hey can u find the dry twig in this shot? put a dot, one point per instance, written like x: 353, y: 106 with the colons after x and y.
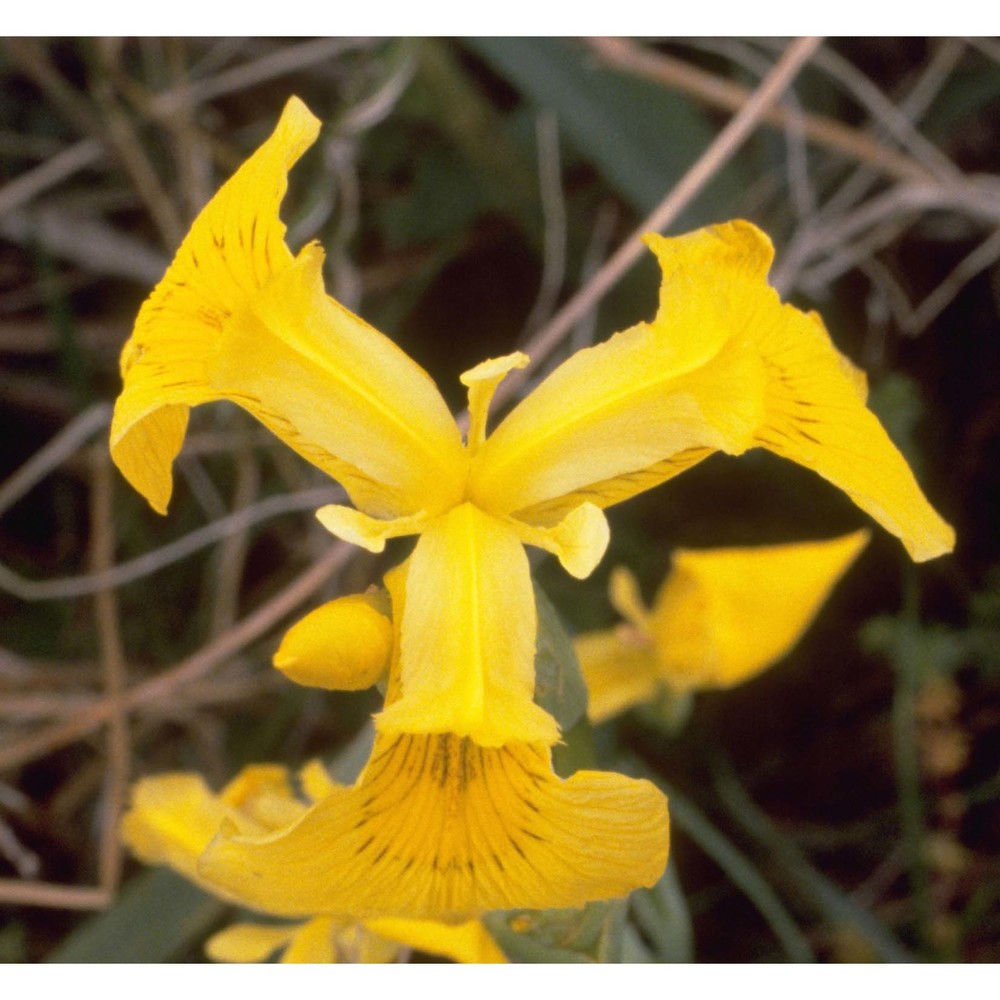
x: 701, y: 172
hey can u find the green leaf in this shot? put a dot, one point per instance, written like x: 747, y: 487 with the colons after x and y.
x: 444, y: 201
x: 929, y: 650
x: 969, y: 91
x: 594, y: 934
x: 641, y: 136
x: 662, y: 914
x: 559, y: 685
x: 743, y: 873
x: 13, y: 944
x: 836, y: 905
x: 350, y: 760
x: 159, y: 916
x: 479, y: 139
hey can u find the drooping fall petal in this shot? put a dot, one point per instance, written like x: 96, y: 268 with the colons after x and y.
x: 816, y: 417
x: 238, y: 317
x: 440, y: 827
x: 609, y: 422
x: 723, y: 366
x: 173, y: 817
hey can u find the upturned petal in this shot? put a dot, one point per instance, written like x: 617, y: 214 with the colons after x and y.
x: 482, y: 382
x: 611, y: 420
x: 724, y: 615
x: 723, y: 366
x: 238, y: 317
x: 578, y: 541
x: 626, y: 598
x: 440, y: 827
x: 466, y: 643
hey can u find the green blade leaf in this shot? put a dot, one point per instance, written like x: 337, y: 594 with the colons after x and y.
x: 662, y: 913
x: 559, y: 686
x: 158, y: 916
x: 641, y: 136
x: 594, y: 934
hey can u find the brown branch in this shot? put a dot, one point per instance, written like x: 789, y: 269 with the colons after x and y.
x: 196, y: 666
x: 62, y: 897
x: 719, y: 152
x: 112, y: 658
x: 722, y: 93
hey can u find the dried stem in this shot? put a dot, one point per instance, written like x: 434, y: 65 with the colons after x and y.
x: 719, y: 152
x: 32, y: 183
x: 227, y: 566
x: 825, y: 132
x: 112, y: 655
x: 62, y: 897
x: 194, y: 667
x: 150, y: 562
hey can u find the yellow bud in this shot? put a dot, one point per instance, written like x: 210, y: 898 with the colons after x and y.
x: 343, y: 645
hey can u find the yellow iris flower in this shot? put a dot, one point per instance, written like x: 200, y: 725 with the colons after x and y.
x: 174, y: 818
x: 720, y: 617
x: 458, y: 810
x: 437, y: 826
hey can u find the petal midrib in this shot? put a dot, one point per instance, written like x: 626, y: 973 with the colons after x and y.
x: 538, y: 441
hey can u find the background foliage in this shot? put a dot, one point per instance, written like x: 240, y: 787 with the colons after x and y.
x: 843, y: 806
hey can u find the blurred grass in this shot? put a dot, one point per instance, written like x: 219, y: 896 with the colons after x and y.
x: 864, y: 820
x: 158, y: 917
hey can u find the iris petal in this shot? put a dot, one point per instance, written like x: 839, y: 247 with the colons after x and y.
x: 482, y: 382
x: 723, y: 615
x: 816, y: 417
x: 467, y: 942
x: 620, y: 670
x: 238, y: 317
x: 173, y: 817
x: 172, y: 820
x: 579, y: 540
x: 246, y: 942
x: 440, y: 827
x: 466, y: 645
x: 626, y: 598
x: 723, y: 366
